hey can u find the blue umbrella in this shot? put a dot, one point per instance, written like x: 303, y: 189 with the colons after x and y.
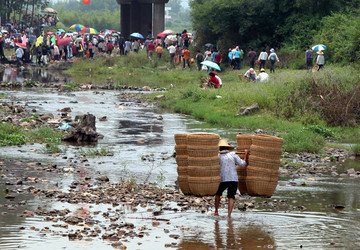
x: 137, y: 35
x: 211, y: 65
x: 319, y: 47
x: 43, y: 25
x: 61, y: 30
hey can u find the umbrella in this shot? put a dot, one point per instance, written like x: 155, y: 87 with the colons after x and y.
x: 50, y: 33
x: 43, y: 25
x: 167, y: 32
x: 61, y: 30
x: 89, y: 31
x: 172, y: 38
x: 211, y: 65
x: 209, y: 45
x: 162, y: 34
x: 109, y: 32
x: 137, y: 35
x: 21, y: 45
x: 115, y: 34
x: 8, y: 24
x: 77, y: 27
x: 64, y: 41
x: 4, y: 31
x: 319, y: 47
x: 17, y: 34
x: 49, y: 11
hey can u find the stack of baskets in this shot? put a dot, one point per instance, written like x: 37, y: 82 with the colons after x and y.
x: 182, y: 162
x: 243, y: 142
x: 204, y: 163
x: 264, y: 162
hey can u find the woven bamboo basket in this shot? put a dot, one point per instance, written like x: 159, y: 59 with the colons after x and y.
x: 204, y: 185
x: 184, y: 184
x: 267, y: 141
x: 201, y: 171
x: 270, y: 153
x: 253, y: 171
x: 181, y: 139
x: 204, y: 161
x: 203, y: 151
x: 264, y: 162
x: 242, y: 148
x: 182, y: 170
x: 257, y: 186
x: 181, y: 149
x: 242, y: 179
x: 203, y: 139
x: 243, y: 139
x: 182, y: 160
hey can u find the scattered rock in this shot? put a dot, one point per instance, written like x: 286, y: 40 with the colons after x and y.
x: 248, y: 110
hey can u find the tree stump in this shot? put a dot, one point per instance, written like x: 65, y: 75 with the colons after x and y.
x: 85, y: 131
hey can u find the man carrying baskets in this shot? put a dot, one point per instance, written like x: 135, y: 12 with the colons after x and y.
x: 228, y: 174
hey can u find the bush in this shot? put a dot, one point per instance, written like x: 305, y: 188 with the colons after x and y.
x: 356, y: 149
x: 303, y: 141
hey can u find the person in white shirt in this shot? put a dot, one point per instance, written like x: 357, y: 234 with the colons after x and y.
x: 172, y: 51
x: 262, y: 58
x: 19, y: 54
x: 273, y: 58
x: 263, y: 76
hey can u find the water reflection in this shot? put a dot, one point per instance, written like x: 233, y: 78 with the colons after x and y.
x: 42, y: 75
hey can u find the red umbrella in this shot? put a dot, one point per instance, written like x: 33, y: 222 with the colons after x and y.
x: 21, y: 45
x: 50, y: 33
x: 161, y: 35
x: 64, y: 41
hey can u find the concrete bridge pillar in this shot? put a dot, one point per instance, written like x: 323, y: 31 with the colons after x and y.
x: 143, y: 16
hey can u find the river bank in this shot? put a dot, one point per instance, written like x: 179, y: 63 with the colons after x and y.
x: 76, y: 200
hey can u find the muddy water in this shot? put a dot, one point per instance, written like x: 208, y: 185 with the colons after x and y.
x: 297, y: 215
x: 14, y: 74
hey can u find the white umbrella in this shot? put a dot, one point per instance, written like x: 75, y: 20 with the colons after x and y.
x: 4, y: 31
x: 49, y: 11
x: 319, y: 47
x: 172, y: 38
x: 167, y: 31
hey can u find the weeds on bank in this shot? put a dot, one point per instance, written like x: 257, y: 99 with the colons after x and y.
x: 11, y: 135
x: 356, y: 149
x: 95, y: 152
x: 303, y: 141
x: 52, y: 148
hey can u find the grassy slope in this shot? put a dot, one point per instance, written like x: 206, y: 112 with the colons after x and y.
x: 283, y: 105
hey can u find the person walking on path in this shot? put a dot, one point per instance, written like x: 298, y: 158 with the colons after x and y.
x: 320, y: 59
x: 228, y: 175
x: 150, y: 49
x: 273, y: 58
x: 309, y: 58
x: 252, y: 57
x: 186, y: 58
x: 199, y: 59
x: 218, y: 58
x: 172, y: 51
x: 19, y: 54
x: 262, y: 58
x: 159, y: 51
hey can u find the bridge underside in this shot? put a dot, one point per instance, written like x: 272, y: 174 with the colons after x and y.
x: 146, y: 17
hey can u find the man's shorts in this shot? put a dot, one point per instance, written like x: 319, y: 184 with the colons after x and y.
x: 231, y: 187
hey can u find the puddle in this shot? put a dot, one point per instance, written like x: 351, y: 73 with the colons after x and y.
x: 309, y: 219
x: 39, y: 74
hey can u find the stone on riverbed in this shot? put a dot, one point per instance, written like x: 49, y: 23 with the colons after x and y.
x: 248, y: 110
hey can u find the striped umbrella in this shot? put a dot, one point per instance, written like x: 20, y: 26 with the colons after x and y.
x: 77, y: 27
x: 89, y: 31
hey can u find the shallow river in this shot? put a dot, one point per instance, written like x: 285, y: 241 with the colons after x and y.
x: 132, y: 131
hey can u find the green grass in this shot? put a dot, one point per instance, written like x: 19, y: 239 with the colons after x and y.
x: 292, y: 102
x: 13, y: 135
x: 95, y: 152
x: 356, y: 149
x: 52, y: 148
x: 303, y: 141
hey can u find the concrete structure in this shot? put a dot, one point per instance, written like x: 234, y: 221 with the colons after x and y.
x: 142, y: 16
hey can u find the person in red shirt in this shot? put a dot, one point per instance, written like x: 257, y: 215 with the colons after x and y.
x: 150, y: 48
x: 218, y: 58
x: 213, y: 81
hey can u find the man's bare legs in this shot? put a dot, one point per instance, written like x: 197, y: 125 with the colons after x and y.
x: 217, y: 203
x: 230, y: 206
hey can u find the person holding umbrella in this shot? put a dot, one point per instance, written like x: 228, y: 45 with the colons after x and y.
x: 320, y: 59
